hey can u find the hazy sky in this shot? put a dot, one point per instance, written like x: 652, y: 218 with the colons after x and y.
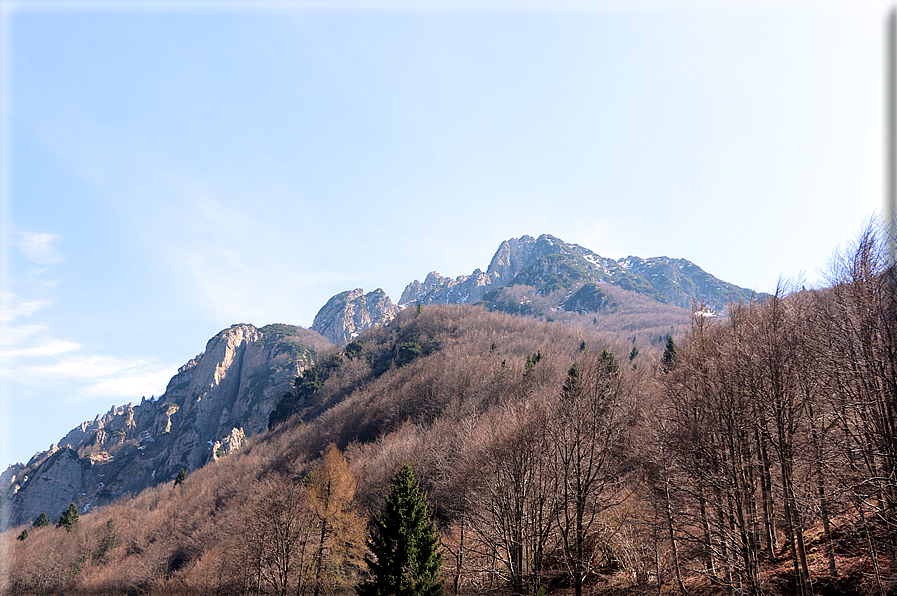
x: 171, y: 168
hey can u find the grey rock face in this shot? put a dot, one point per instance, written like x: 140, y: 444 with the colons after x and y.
x: 549, y: 264
x: 436, y: 289
x: 511, y: 257
x: 349, y: 313
x: 51, y: 487
x: 208, y: 409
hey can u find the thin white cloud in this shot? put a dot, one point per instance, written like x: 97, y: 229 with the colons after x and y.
x: 13, y: 307
x: 58, y: 363
x: 47, y: 347
x: 132, y: 384
x: 81, y: 367
x: 38, y: 247
x: 30, y: 355
x: 12, y: 336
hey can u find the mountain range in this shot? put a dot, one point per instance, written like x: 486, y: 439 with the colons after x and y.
x: 567, y: 277
x: 229, y: 390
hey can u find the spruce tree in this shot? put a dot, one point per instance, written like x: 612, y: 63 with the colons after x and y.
x: 108, y: 542
x: 182, y: 476
x: 407, y: 555
x: 670, y: 354
x: 41, y: 521
x: 69, y: 518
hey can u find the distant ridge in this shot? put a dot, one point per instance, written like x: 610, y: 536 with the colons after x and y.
x: 547, y: 265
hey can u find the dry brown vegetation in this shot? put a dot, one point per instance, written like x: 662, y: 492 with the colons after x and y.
x: 760, y: 460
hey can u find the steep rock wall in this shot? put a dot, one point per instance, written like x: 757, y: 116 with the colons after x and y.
x: 349, y: 313
x: 208, y: 409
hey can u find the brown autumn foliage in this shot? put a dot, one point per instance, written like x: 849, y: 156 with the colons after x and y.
x: 760, y: 459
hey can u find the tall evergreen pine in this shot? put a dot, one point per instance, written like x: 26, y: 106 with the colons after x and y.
x: 407, y: 554
x: 69, y: 518
x: 670, y: 354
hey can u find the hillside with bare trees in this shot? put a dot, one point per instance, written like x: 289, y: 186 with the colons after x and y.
x: 752, y: 454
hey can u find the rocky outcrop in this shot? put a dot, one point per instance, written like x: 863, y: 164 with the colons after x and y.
x: 208, y: 409
x: 510, y: 258
x: 549, y: 264
x: 49, y: 488
x: 228, y: 444
x: 349, y: 313
x: 436, y: 289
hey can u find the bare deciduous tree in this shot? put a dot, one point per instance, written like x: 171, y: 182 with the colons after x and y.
x: 588, y: 439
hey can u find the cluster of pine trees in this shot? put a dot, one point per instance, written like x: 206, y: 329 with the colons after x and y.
x: 753, y: 454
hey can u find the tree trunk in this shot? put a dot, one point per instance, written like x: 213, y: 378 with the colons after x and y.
x: 669, y: 516
x: 769, y: 514
x: 320, y: 561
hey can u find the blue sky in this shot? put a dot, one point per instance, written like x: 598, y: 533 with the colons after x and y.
x: 172, y: 168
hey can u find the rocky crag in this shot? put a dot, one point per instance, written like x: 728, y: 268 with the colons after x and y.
x: 546, y: 265
x: 208, y: 409
x: 349, y: 313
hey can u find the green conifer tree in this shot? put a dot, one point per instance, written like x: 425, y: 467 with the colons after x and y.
x: 407, y: 552
x: 610, y: 363
x: 670, y: 354
x: 41, y: 521
x: 69, y: 518
x: 109, y: 538
x: 182, y: 476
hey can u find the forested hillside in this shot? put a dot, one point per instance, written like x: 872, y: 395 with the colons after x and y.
x: 753, y: 454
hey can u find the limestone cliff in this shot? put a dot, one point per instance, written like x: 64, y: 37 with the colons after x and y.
x: 511, y: 257
x: 436, y: 289
x: 349, y: 313
x: 208, y: 409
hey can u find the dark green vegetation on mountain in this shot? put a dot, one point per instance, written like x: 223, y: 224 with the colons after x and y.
x: 749, y: 454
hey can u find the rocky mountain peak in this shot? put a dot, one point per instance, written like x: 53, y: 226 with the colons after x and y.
x: 512, y: 256
x: 349, y: 313
x: 546, y: 265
